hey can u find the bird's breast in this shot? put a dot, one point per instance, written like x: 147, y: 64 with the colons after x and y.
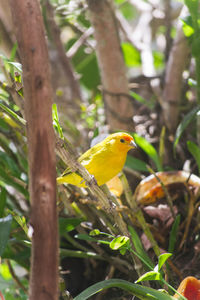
x: 105, y: 167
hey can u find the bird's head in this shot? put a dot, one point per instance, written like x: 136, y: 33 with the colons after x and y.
x: 121, y: 141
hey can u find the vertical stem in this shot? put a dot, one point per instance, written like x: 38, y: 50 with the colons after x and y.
x: 42, y: 171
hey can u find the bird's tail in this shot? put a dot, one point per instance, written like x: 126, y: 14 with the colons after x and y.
x: 60, y: 180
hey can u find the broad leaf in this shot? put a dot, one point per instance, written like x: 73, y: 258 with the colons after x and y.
x: 68, y: 224
x: 162, y: 259
x: 151, y: 275
x: 119, y: 242
x: 136, y: 164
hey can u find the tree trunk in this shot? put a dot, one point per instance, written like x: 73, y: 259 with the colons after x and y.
x: 42, y: 173
x: 118, y: 106
x: 176, y: 64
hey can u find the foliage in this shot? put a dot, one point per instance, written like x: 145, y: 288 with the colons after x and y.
x: 87, y: 231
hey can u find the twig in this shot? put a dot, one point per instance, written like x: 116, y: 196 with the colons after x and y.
x: 168, y: 197
x: 15, y: 278
x: 138, y: 213
x: 72, y: 51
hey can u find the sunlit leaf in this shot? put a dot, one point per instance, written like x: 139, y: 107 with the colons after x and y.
x: 119, y: 242
x: 131, y: 55
x: 162, y: 259
x: 151, y: 275
x: 95, y: 232
x: 55, y: 118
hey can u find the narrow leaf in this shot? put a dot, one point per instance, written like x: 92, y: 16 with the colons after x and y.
x: 138, y: 246
x: 195, y: 151
x: 13, y: 114
x: 184, y: 124
x: 149, y: 149
x: 173, y: 234
x: 5, y: 226
x: 2, y: 201
x: 136, y: 164
x: 142, y: 292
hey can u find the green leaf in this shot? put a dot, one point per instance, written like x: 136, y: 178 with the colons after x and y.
x: 195, y: 151
x: 142, y: 292
x: 86, y: 237
x: 189, y: 117
x: 149, y: 149
x: 11, y: 181
x: 188, y: 26
x: 95, y: 232
x: 196, y: 47
x: 68, y: 224
x: 55, y: 118
x: 192, y: 82
x: 135, y: 164
x: 21, y: 220
x: 5, y: 226
x: 193, y: 7
x: 13, y: 114
x: 173, y: 234
x: 139, y: 248
x: 140, y: 99
x: 17, y: 65
x: 119, y: 242
x: 162, y: 259
x: 131, y: 55
x: 2, y: 201
x: 151, y: 275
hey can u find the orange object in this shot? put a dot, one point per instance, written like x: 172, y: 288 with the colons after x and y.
x: 189, y: 288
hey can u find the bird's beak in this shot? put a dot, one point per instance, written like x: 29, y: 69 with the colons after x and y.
x: 133, y: 144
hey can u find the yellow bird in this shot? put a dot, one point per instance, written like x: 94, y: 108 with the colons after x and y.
x: 104, y: 160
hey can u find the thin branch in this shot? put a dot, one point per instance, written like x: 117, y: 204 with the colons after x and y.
x: 15, y: 278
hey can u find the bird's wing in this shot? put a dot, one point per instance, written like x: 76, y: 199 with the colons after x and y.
x: 86, y: 158
x: 89, y: 155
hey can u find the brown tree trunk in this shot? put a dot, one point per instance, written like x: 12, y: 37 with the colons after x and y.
x: 42, y: 173
x: 171, y: 98
x: 118, y: 106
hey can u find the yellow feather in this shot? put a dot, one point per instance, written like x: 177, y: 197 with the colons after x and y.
x: 104, y: 160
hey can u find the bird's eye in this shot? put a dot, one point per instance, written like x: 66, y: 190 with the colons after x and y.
x: 122, y: 141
